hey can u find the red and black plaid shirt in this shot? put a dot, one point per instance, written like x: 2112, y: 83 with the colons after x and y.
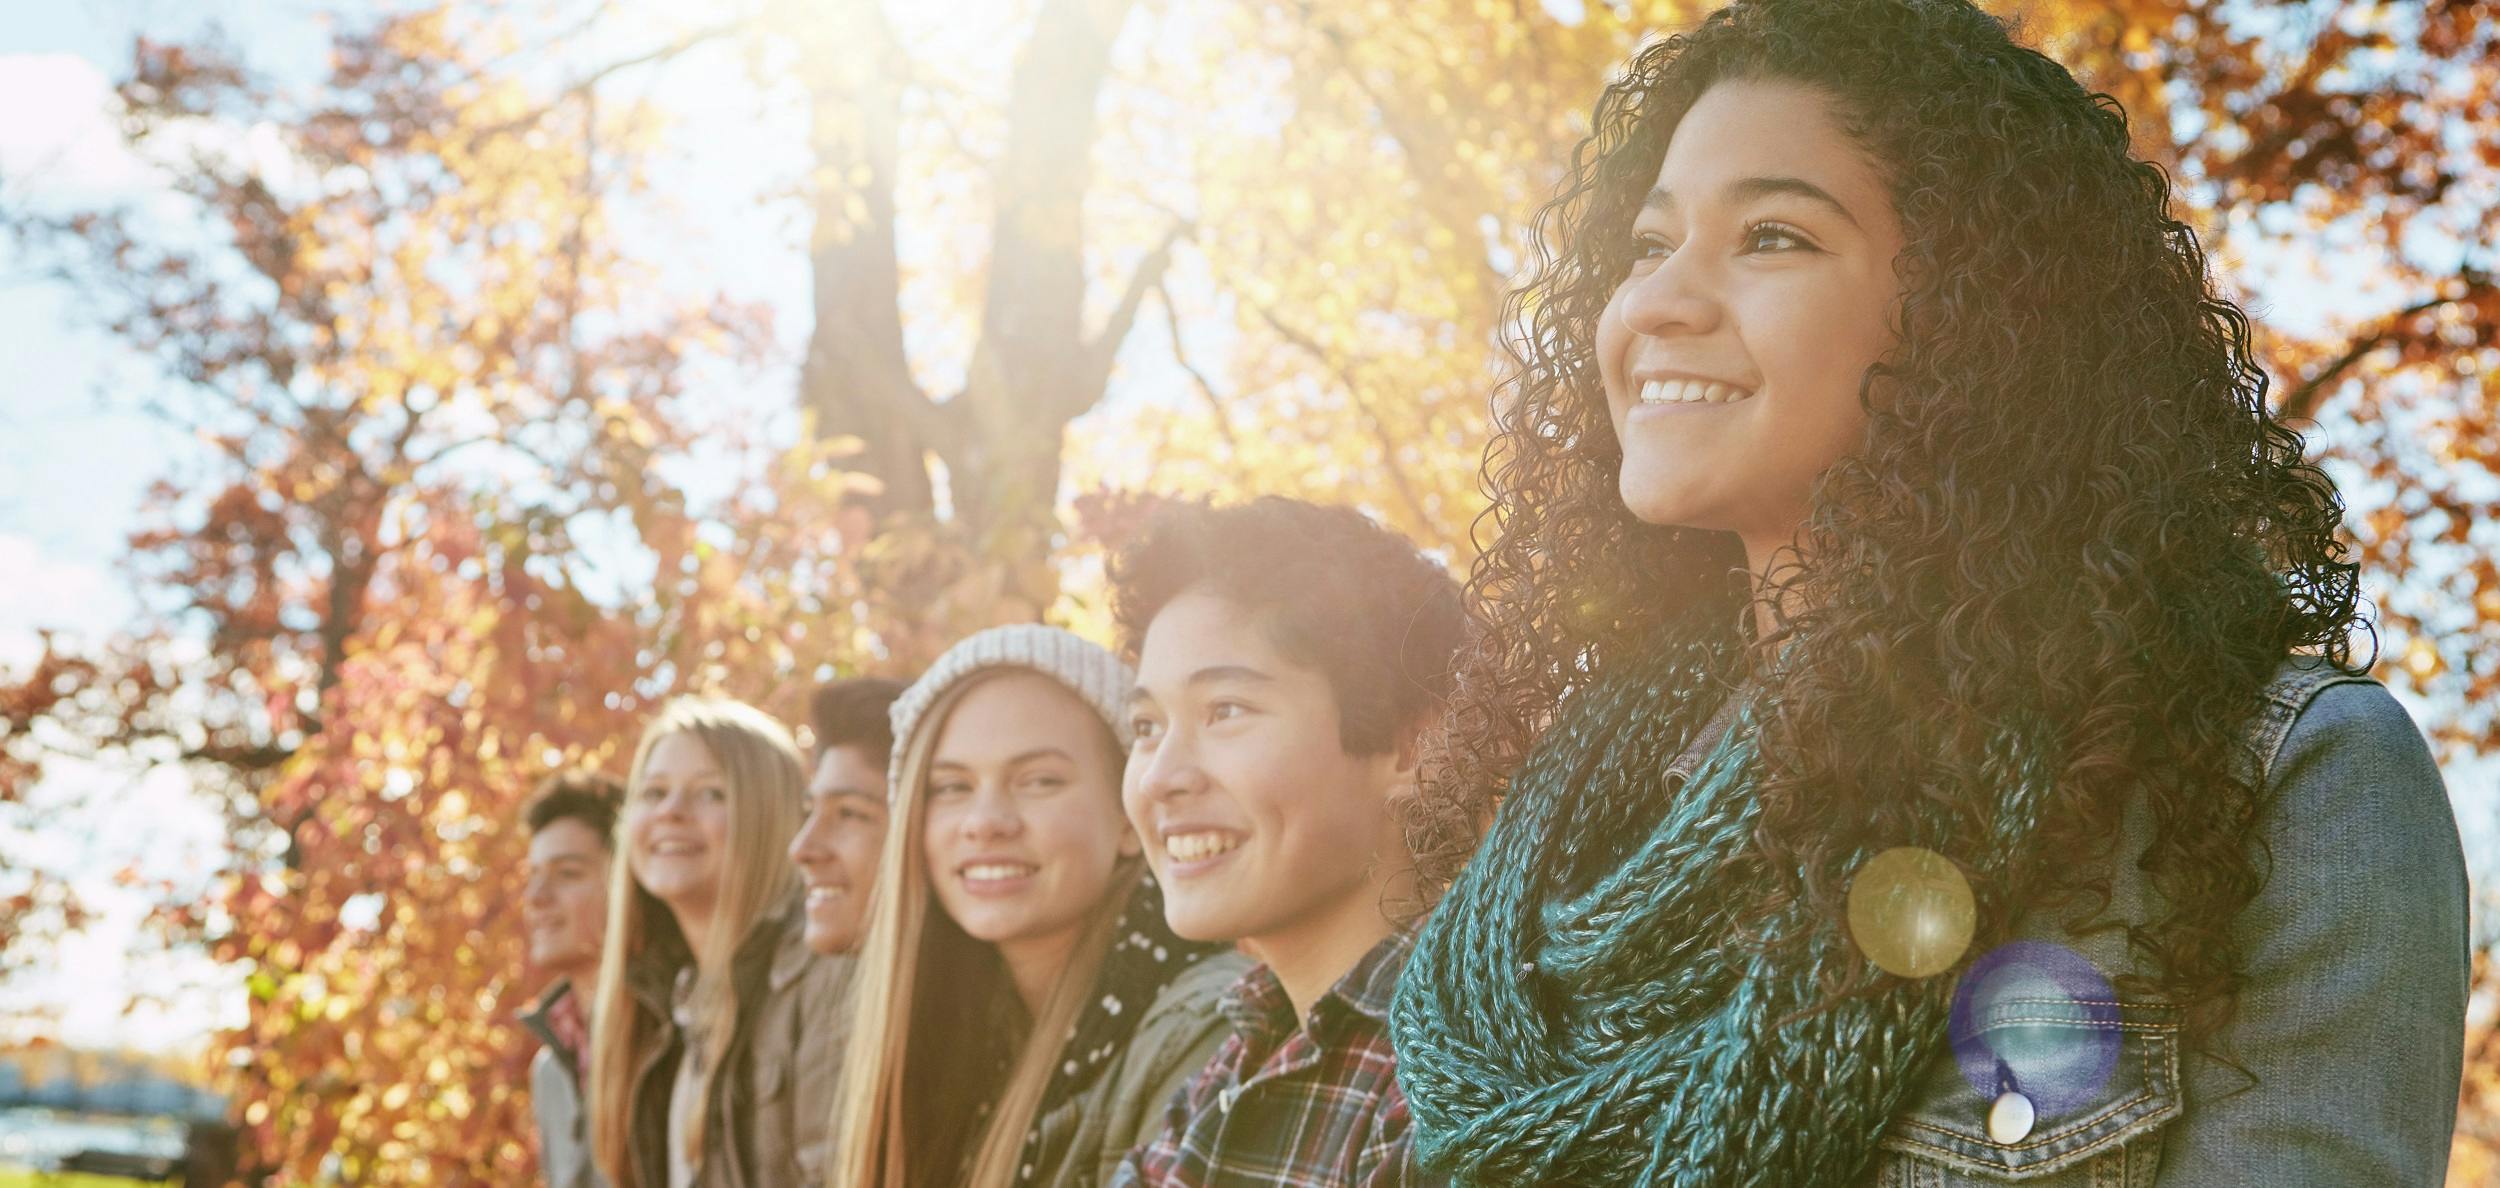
x: 1293, y: 1102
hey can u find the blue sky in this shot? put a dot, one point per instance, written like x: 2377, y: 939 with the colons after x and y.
x: 75, y: 455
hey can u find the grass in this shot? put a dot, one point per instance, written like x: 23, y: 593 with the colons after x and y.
x: 18, y: 1177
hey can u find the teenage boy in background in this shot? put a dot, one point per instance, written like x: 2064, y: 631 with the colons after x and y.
x: 564, y: 908
x: 1291, y: 661
x: 836, y: 847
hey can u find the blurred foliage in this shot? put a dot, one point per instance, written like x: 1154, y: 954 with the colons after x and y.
x: 435, y: 550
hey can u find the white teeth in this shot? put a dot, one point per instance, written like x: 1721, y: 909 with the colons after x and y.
x: 1690, y: 392
x: 673, y: 847
x: 817, y: 895
x: 987, y: 871
x: 1191, y: 847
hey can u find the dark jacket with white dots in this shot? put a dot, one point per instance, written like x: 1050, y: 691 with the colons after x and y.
x: 1086, y: 1136
x: 2348, y: 1034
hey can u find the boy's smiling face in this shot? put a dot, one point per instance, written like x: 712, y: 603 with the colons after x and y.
x: 1258, y: 823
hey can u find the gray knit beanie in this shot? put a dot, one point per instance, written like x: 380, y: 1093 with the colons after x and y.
x: 1088, y: 669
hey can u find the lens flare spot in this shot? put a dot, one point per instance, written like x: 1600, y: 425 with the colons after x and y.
x: 1911, y: 912
x: 2036, y: 1019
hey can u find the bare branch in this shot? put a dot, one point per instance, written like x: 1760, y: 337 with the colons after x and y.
x: 1106, y: 345
x: 566, y: 35
x: 582, y: 86
x: 660, y: 53
x: 1362, y: 404
x: 1180, y: 355
x: 2301, y: 403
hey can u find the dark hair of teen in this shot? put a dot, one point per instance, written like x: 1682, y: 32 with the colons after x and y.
x: 593, y: 798
x: 1337, y: 591
x: 2073, y: 516
x: 854, y: 712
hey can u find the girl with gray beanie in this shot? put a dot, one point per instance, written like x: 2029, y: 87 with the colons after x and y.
x: 1022, y: 1012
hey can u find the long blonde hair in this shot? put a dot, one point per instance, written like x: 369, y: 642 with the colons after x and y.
x: 881, y: 1120
x: 766, y: 799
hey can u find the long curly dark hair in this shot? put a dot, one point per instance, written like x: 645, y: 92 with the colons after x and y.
x: 2073, y: 520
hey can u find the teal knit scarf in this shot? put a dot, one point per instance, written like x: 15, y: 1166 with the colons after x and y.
x: 1576, y: 1014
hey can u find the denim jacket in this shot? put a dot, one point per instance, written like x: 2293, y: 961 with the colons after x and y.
x: 2351, y: 1020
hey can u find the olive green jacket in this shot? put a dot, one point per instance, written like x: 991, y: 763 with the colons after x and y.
x: 1087, y: 1135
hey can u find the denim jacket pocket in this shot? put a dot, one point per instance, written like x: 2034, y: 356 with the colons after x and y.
x: 2108, y: 1076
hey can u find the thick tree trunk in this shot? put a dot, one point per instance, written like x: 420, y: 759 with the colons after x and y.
x: 1034, y: 368
x: 856, y: 378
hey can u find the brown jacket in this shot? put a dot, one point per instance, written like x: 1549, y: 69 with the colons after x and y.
x: 769, y: 1111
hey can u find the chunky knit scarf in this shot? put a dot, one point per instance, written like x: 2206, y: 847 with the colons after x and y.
x: 1578, y: 1011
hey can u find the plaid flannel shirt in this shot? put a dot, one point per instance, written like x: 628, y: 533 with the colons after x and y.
x: 1289, y: 1101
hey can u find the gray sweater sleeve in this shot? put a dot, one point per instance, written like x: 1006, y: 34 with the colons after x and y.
x: 2352, y: 1019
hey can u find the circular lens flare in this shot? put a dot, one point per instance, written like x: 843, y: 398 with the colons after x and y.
x: 2037, y: 1019
x: 1911, y: 912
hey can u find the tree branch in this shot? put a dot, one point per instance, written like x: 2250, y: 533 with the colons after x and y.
x: 1106, y: 345
x: 659, y: 53
x: 1362, y: 404
x: 2301, y: 403
x: 1032, y: 341
x: 1180, y: 355
x: 583, y: 85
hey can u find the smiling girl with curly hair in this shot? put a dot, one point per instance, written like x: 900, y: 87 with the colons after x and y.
x: 1915, y: 715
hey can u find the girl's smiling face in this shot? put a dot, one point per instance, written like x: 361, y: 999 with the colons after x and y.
x: 677, y: 826
x: 1761, y: 289
x: 1023, y: 832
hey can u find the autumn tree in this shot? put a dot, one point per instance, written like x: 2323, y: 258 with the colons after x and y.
x: 419, y: 369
